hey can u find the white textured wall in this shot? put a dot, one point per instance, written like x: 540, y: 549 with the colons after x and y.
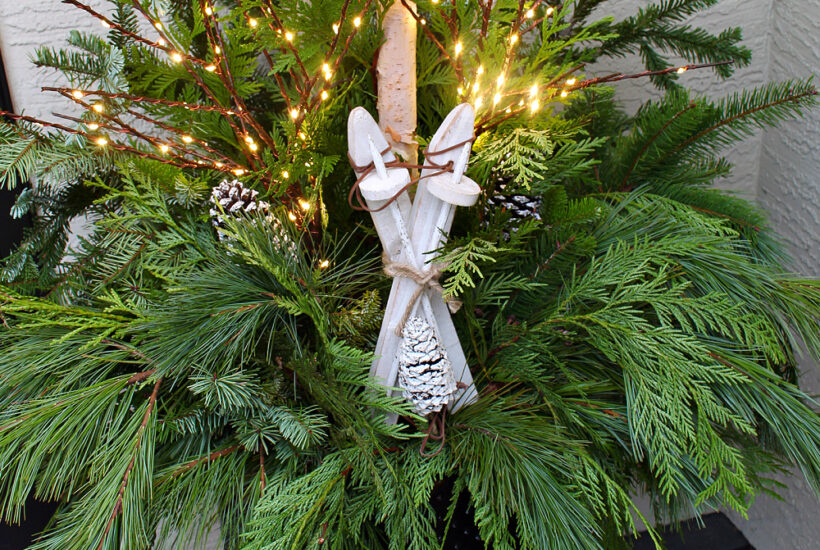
x: 753, y: 17
x: 789, y: 188
x: 24, y: 26
x: 781, y: 167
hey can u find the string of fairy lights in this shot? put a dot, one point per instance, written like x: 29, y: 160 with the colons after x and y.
x: 489, y: 94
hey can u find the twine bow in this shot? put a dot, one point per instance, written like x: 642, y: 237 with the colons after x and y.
x: 424, y: 279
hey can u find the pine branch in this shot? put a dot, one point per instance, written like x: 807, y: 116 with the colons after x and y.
x: 118, y: 504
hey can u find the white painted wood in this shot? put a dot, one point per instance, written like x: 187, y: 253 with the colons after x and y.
x: 361, y: 130
x: 407, y: 244
x: 427, y: 209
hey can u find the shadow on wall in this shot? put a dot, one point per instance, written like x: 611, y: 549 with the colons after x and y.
x: 717, y: 533
x: 11, y: 231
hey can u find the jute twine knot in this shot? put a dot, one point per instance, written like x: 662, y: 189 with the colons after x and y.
x: 424, y: 279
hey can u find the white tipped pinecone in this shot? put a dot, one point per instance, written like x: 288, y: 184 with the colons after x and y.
x: 425, y: 372
x: 520, y: 207
x: 237, y: 200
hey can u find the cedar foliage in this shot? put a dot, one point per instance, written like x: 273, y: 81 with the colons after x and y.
x: 642, y: 336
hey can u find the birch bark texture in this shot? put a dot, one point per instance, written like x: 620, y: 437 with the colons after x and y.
x: 396, y: 80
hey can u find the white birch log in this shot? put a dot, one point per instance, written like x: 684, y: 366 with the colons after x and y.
x: 396, y: 81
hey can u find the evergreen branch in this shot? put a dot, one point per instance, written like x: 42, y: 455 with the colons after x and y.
x: 651, y: 140
x: 741, y: 115
x: 207, y: 458
x: 118, y: 505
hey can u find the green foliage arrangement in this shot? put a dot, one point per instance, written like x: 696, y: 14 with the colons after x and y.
x: 158, y: 380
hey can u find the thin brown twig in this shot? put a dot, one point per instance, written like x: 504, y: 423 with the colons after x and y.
x: 113, y: 145
x: 238, y: 133
x: 429, y: 33
x: 212, y: 29
x: 129, y: 34
x: 143, y: 99
x: 262, y: 477
x: 208, y: 458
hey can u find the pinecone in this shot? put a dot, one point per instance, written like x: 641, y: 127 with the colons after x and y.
x: 520, y: 207
x: 238, y: 200
x: 235, y: 199
x: 425, y: 372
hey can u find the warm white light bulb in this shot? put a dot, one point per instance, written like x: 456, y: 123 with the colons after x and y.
x: 285, y: 174
x: 571, y: 81
x: 496, y: 98
x: 98, y: 107
x: 176, y: 57
x: 208, y: 10
x: 289, y: 36
x: 187, y: 139
x: 77, y: 94
x: 325, y: 95
x: 357, y: 21
x: 530, y: 14
x: 681, y: 70
x: 294, y: 113
x: 92, y: 125
x: 102, y: 142
x: 335, y: 28
x: 253, y: 22
x: 253, y: 146
x: 164, y: 148
x: 459, y: 47
x: 210, y: 68
x: 534, y: 90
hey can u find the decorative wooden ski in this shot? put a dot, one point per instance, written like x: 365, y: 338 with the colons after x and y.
x: 409, y: 234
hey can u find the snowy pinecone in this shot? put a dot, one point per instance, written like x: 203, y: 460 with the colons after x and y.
x: 425, y: 373
x: 520, y: 207
x: 237, y: 200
